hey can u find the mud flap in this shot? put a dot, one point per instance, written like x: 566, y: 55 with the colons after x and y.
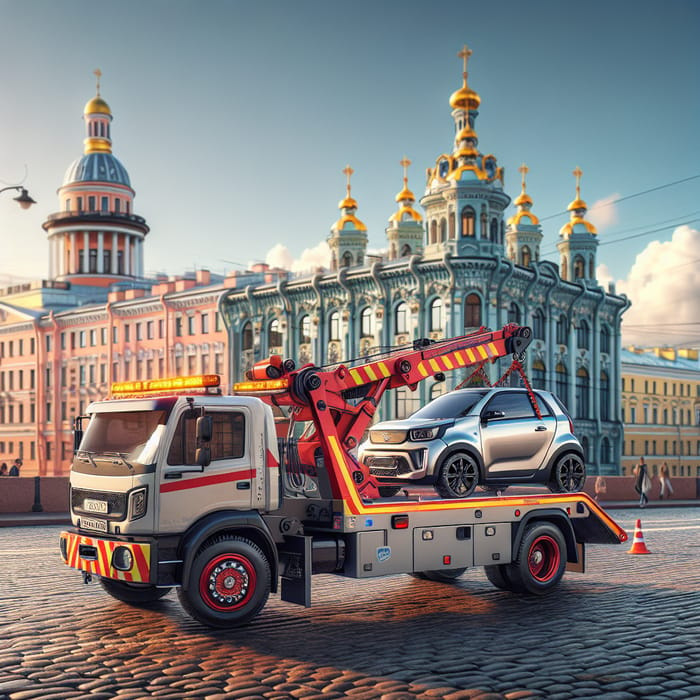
x: 296, y: 565
x: 579, y: 566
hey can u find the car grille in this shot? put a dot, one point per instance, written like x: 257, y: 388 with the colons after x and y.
x: 387, y: 466
x: 116, y: 503
x: 387, y: 437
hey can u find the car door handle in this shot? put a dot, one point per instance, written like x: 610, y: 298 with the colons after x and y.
x: 540, y: 428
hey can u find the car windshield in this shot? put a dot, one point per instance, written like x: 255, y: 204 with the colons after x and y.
x: 452, y: 405
x: 133, y: 435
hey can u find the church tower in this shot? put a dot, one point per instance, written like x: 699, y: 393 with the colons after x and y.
x: 405, y: 230
x: 348, y: 237
x: 523, y: 233
x: 464, y: 199
x: 578, y: 241
x: 95, y: 239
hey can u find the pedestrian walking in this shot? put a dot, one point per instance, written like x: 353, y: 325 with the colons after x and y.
x: 665, y: 481
x: 3, y: 469
x: 16, y: 466
x: 642, y: 484
x: 600, y: 487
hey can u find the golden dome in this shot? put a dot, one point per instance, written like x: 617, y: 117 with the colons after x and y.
x: 97, y: 106
x: 399, y: 216
x: 465, y: 98
x: 523, y: 198
x: 578, y: 203
x: 405, y: 194
x: 532, y: 220
x: 347, y: 203
x: 349, y: 219
x: 577, y: 222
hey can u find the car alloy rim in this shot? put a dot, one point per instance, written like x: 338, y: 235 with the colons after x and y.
x: 227, y: 582
x: 571, y: 474
x: 461, y: 474
x: 543, y: 558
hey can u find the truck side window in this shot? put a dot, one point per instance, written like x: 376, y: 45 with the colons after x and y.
x: 228, y: 438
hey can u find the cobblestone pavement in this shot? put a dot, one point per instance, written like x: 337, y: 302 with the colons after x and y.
x: 628, y: 628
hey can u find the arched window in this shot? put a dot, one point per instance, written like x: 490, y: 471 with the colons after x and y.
x: 247, y: 337
x: 406, y: 250
x: 564, y: 268
x: 494, y: 230
x: 605, y: 451
x: 305, y: 330
x: 591, y: 268
x: 360, y: 258
x: 468, y: 222
x: 562, y: 330
x: 583, y: 335
x: 366, y: 318
x: 443, y: 230
x: 605, y: 339
x: 579, y: 268
x: 436, y: 315
x: 472, y: 311
x: 538, y: 375
x: 347, y: 259
x: 525, y: 256
x: 401, y: 318
x: 451, y: 225
x: 582, y: 402
x: 538, y: 324
x: 433, y: 232
x: 513, y: 313
x: 604, y: 396
x: 562, y: 383
x: 274, y: 338
x: 334, y: 326
x: 484, y: 225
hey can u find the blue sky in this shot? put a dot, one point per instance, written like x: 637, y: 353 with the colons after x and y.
x: 235, y: 119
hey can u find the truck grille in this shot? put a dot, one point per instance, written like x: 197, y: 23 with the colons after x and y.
x: 116, y: 503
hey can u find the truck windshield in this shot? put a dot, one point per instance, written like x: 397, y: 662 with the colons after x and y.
x: 132, y: 435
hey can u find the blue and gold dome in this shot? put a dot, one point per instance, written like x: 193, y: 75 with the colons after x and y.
x: 97, y: 167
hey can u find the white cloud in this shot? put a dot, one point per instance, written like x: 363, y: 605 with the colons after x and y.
x: 664, y: 287
x: 603, y: 213
x: 309, y: 260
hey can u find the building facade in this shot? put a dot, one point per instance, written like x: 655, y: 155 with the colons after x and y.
x: 661, y: 410
x: 452, y: 269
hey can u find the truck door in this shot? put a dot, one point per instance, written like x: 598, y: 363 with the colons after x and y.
x: 188, y: 491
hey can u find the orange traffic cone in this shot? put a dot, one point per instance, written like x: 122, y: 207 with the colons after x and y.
x: 638, y: 546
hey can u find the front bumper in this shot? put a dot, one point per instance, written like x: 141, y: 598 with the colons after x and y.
x: 405, y: 464
x: 107, y: 557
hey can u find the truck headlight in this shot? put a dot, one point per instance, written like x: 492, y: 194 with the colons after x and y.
x: 122, y: 559
x: 419, y: 434
x: 138, y: 502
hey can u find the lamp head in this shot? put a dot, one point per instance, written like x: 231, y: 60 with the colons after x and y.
x: 24, y: 200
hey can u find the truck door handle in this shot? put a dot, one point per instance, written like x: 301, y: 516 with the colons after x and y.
x: 540, y: 428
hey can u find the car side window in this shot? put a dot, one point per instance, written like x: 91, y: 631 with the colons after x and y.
x: 513, y: 405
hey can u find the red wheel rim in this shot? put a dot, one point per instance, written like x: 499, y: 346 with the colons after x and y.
x: 227, y: 582
x: 544, y: 558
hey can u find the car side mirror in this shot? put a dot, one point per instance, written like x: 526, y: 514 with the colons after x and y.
x: 492, y: 415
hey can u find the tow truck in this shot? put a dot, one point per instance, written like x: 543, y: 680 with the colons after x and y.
x: 230, y: 498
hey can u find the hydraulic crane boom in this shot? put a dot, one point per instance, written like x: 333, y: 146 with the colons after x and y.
x: 342, y: 401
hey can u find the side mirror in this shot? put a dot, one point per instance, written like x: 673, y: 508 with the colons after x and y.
x: 492, y: 415
x: 202, y: 456
x: 204, y: 429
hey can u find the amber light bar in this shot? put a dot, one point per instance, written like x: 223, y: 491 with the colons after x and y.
x: 268, y: 386
x: 201, y: 381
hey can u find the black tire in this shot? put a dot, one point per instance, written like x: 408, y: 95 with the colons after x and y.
x: 389, y: 491
x: 568, y: 474
x: 139, y: 594
x: 458, y: 476
x: 228, y: 584
x: 444, y: 575
x: 497, y: 574
x: 541, y: 560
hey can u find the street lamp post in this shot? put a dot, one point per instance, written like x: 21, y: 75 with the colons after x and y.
x: 23, y: 198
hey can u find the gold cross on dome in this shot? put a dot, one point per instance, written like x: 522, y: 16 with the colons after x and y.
x: 524, y: 170
x: 98, y: 74
x: 577, y: 174
x: 348, y: 172
x: 464, y: 54
x: 405, y: 162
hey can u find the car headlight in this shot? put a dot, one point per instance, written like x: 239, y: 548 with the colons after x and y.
x: 419, y: 434
x: 138, y: 501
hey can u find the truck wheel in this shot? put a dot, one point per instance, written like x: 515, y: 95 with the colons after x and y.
x: 133, y: 593
x: 228, y: 584
x: 444, y: 575
x: 458, y: 476
x: 541, y: 560
x: 497, y: 574
x: 568, y: 475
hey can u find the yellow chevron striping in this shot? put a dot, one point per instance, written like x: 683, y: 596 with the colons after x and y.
x: 370, y: 372
x: 356, y: 376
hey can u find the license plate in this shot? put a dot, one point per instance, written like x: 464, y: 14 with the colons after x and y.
x: 94, y: 506
x: 93, y: 524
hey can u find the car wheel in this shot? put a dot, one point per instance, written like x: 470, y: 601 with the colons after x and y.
x: 389, y: 491
x: 458, y: 476
x: 569, y: 474
x: 228, y: 584
x: 541, y: 560
x: 133, y: 593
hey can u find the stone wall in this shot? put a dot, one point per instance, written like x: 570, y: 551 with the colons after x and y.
x: 17, y: 494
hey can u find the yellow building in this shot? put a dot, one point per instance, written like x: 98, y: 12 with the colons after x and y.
x: 661, y: 410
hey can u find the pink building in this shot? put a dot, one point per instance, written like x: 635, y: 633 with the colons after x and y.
x: 97, y: 319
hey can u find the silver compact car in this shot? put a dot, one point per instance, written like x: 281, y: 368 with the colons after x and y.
x: 488, y: 437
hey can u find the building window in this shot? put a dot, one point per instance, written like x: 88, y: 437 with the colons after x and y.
x: 149, y: 330
x: 436, y: 315
x: 468, y: 222
x: 583, y: 334
x: 178, y: 326
x: 334, y: 326
x: 366, y: 317
x: 91, y: 203
x: 305, y: 330
x: 605, y: 451
x: 275, y: 334
x: 401, y: 318
x: 562, y: 330
x: 582, y: 402
x: 407, y: 402
x: 205, y: 323
x: 538, y: 375
x: 513, y: 313
x: 472, y: 311
x: 604, y: 396
x: 605, y: 339
x: 139, y: 331
x: 190, y: 325
x: 579, y: 267
x: 247, y: 337
x: 538, y: 324
x: 562, y: 383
